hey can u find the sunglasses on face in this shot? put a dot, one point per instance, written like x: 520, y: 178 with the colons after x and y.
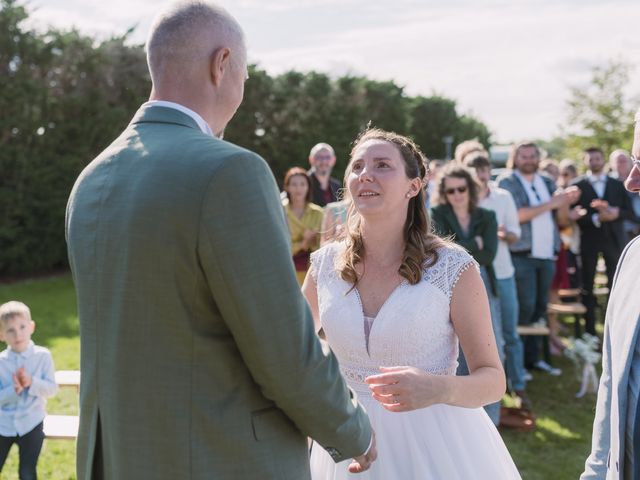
x: 451, y: 191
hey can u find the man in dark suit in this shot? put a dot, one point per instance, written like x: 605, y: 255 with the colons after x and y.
x: 607, y: 205
x: 324, y: 188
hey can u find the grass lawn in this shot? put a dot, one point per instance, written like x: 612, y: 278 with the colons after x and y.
x: 556, y: 450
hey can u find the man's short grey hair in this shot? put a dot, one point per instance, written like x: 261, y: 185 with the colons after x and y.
x: 189, y: 32
x: 321, y: 146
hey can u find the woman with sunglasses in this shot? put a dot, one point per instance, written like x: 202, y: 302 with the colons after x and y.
x: 458, y: 216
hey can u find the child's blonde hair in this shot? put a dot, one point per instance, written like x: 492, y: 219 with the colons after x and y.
x: 13, y: 309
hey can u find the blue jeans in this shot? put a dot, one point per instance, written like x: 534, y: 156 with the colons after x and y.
x: 493, y: 409
x: 513, y: 349
x: 533, y: 280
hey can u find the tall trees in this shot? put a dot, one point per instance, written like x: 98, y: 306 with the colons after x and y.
x: 64, y: 97
x: 601, y: 113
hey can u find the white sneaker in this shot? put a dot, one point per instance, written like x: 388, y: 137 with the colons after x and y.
x: 545, y: 367
x: 527, y: 377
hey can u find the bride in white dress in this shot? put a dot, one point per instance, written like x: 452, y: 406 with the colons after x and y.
x: 393, y: 300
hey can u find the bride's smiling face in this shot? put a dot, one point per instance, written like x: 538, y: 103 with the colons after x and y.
x: 377, y: 181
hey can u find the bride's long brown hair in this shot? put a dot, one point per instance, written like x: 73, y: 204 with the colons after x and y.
x: 421, y: 244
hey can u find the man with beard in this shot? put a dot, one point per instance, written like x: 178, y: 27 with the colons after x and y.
x: 533, y: 254
x: 602, y: 228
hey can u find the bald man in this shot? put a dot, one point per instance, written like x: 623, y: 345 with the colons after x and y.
x: 615, y: 452
x: 199, y: 358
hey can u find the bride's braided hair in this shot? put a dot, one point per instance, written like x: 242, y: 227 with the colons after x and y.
x: 421, y: 244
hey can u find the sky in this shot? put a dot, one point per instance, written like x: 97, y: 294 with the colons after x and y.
x: 509, y: 63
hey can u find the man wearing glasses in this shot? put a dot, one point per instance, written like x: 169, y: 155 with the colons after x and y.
x: 539, y: 207
x: 615, y: 451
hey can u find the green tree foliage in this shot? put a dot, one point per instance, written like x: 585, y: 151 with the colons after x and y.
x: 64, y: 97
x: 601, y: 113
x: 434, y: 118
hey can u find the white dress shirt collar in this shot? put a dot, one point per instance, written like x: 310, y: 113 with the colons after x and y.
x: 204, y: 126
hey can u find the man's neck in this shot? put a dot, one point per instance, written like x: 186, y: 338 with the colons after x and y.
x: 528, y: 176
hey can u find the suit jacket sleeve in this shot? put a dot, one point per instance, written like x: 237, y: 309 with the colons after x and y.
x: 255, y: 288
x: 596, y: 465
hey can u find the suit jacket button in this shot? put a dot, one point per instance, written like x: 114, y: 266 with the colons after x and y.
x: 335, y: 454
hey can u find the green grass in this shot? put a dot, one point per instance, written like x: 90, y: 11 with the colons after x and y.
x: 561, y: 443
x: 556, y: 450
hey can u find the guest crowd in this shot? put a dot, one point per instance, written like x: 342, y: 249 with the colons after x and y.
x: 537, y: 229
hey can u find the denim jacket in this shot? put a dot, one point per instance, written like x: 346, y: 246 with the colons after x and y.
x: 512, y: 183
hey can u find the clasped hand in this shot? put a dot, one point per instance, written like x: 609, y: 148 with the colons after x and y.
x: 401, y: 389
x: 21, y: 380
x: 606, y: 213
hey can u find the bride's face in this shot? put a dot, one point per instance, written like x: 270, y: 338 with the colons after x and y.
x: 377, y: 181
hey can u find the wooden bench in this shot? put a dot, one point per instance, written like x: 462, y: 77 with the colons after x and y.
x: 537, y: 330
x: 68, y: 378
x: 574, y: 309
x: 61, y: 427
x: 569, y: 292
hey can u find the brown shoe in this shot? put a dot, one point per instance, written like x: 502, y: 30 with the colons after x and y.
x: 518, y: 419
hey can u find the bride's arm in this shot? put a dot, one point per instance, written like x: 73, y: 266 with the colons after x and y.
x: 471, y: 320
x: 401, y: 389
x: 310, y: 292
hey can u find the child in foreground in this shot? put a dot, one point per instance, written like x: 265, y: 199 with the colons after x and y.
x: 27, y: 379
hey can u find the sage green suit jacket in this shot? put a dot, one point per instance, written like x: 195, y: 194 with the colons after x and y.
x: 198, y: 352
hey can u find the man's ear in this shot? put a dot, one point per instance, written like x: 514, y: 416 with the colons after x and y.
x: 219, y: 64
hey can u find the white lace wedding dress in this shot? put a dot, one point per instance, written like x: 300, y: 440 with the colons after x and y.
x: 411, y: 329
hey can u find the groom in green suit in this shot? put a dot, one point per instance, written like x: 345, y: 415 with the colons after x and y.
x: 199, y: 358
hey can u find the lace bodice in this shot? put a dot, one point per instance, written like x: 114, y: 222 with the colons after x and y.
x: 412, y: 328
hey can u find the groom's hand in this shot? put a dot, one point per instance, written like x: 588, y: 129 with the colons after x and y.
x: 364, y: 461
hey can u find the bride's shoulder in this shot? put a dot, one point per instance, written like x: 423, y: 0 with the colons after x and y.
x: 452, y: 260
x: 325, y: 257
x: 453, y: 253
x: 330, y: 249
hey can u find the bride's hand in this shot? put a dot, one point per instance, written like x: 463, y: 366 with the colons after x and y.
x: 401, y: 389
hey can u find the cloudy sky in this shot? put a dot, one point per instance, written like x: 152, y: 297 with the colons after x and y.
x: 508, y: 62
